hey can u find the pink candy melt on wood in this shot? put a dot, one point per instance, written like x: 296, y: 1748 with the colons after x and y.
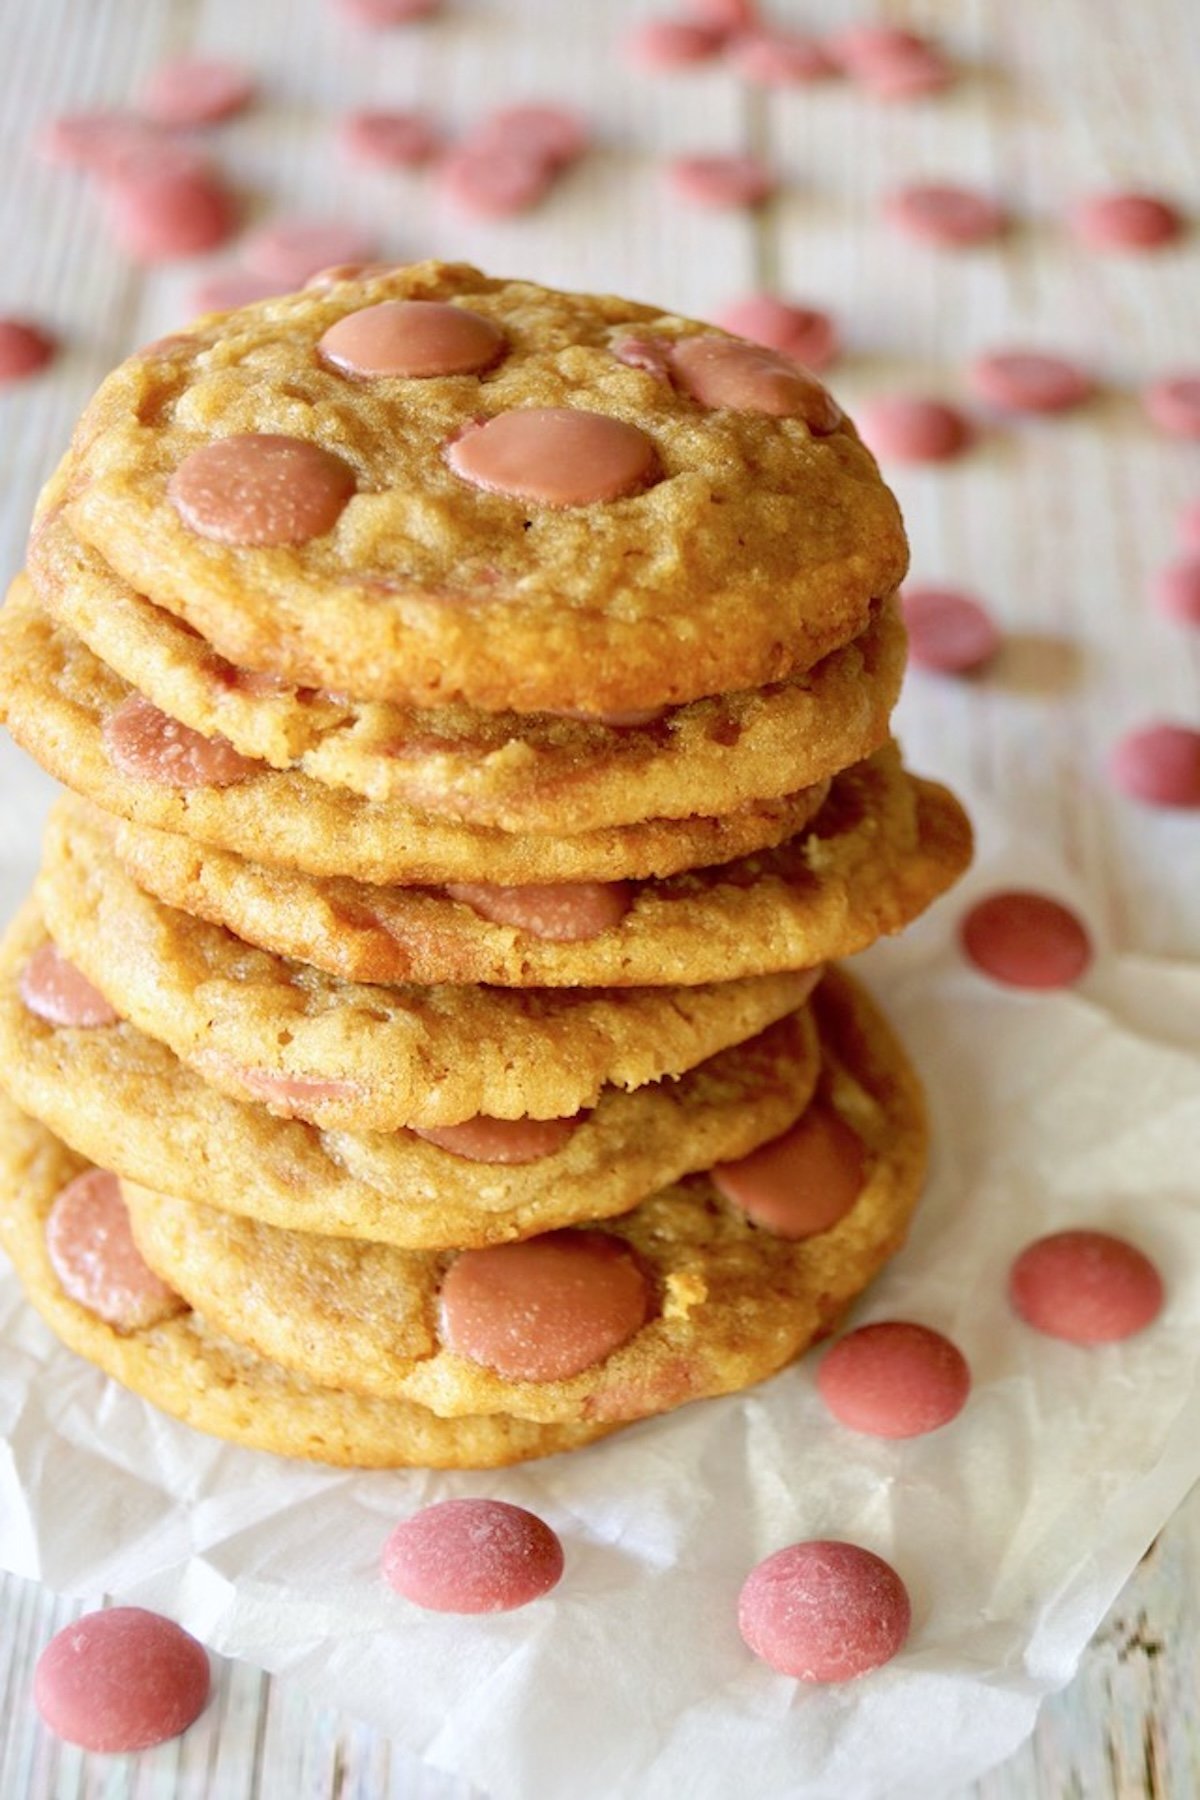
x: 121, y: 1680
x: 472, y: 1556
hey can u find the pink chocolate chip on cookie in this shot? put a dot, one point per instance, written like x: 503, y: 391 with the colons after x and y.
x: 802, y: 1182
x: 804, y: 334
x: 1086, y: 1287
x: 722, y: 181
x: 1026, y: 940
x: 289, y: 1095
x: 149, y: 745
x: 894, y: 1380
x: 824, y: 1611
x: 727, y: 372
x: 558, y: 455
x: 197, y: 90
x: 24, y: 349
x: 568, y: 912
x: 1126, y: 221
x: 472, y: 1556
x: 55, y: 990
x: 544, y: 1309
x: 415, y: 338
x: 509, y: 1141
x: 260, y: 488
x: 911, y: 428
x: 120, y: 1680
x: 1159, y: 764
x: 90, y: 1244
x: 948, y: 631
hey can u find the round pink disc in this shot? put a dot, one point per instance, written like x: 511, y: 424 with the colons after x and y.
x: 90, y: 1244
x: 781, y: 58
x: 854, y: 46
x: 149, y: 745
x: 261, y: 488
x: 546, y: 1308
x: 390, y: 139
x: 1085, y: 1286
x: 559, y: 913
x: 555, y: 134
x: 24, y: 349
x: 908, y: 74
x: 1126, y: 222
x: 802, y: 1182
x: 163, y: 214
x: 804, y: 334
x: 1024, y: 381
x: 1174, y: 404
x: 291, y: 250
x: 55, y: 990
x: 729, y: 373
x: 121, y: 1680
x: 943, y: 214
x: 722, y: 181
x: 416, y: 338
x: 472, y: 1556
x: 495, y: 181
x: 908, y: 428
x: 1159, y: 764
x: 824, y: 1611
x: 510, y: 1141
x: 196, y: 90
x: 558, y: 455
x: 948, y: 631
x: 1177, y: 590
x: 1026, y: 940
x: 894, y: 1380
x: 664, y: 44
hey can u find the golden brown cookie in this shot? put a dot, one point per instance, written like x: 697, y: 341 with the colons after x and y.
x: 556, y: 527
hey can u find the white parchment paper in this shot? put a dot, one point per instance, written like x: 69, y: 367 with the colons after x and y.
x: 1014, y: 1528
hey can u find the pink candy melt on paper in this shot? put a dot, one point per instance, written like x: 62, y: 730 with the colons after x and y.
x: 1085, y: 1286
x: 90, y: 1244
x: 1026, y: 940
x: 824, y: 1611
x: 472, y: 1556
x: 121, y: 1680
x: 894, y: 1380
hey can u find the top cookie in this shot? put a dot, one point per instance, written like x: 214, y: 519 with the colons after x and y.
x: 426, y: 486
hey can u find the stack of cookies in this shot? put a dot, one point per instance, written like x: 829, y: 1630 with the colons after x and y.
x: 475, y: 700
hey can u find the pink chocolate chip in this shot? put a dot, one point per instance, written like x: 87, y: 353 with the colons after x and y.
x: 1126, y: 222
x: 496, y: 181
x: 160, y: 213
x: 1173, y: 404
x: 1085, y: 1286
x: 90, y: 1244
x: 351, y: 271
x: 568, y: 912
x: 92, y: 140
x: 650, y: 354
x: 943, y: 214
x: 854, y: 46
x: 1188, y: 526
x: 149, y: 745
x: 393, y: 140
x: 1159, y: 764
x: 824, y: 1611
x: 121, y: 1680
x: 261, y: 488
x: 380, y: 14
x: 557, y: 455
x: 801, y: 1183
x: 472, y: 1556
x: 24, y: 349
x: 908, y: 428
x: 1025, y: 381
x: 722, y: 181
x: 413, y: 338
x: 801, y: 333
x: 665, y: 44
x: 291, y: 250
x: 196, y: 90
x: 556, y: 134
x: 781, y: 58
x: 906, y: 74
x: 1177, y: 590
x: 947, y: 630
x: 544, y: 1309
x: 1026, y: 940
x: 510, y: 1141
x: 894, y: 1380
x: 727, y: 372
x: 729, y: 17
x: 290, y: 1095
x: 55, y: 990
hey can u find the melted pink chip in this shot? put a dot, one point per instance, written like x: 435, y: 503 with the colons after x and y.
x: 949, y: 216
x: 1159, y: 764
x: 894, y: 1380
x: 472, y: 1556
x: 391, y: 140
x: 672, y: 44
x: 121, y: 1680
x: 557, y: 455
x: 1024, y: 381
x: 413, y: 338
x: 824, y: 1611
x: 554, y: 133
x: 801, y: 333
x: 650, y: 354
x: 727, y: 372
x: 1126, y: 222
x: 163, y: 215
x: 149, y: 745
x: 1085, y: 1286
x: 948, y: 631
x: 289, y: 1095
x: 380, y: 14
x: 722, y: 181
x: 261, y: 488
x: 234, y: 288
x: 293, y: 249
x: 1188, y: 525
x: 197, y: 90
x: 1177, y: 590
x: 55, y: 990
x: 351, y: 271
x: 510, y: 1141
x: 781, y: 58
x: 565, y: 912
x: 907, y: 428
x: 1026, y: 940
x: 24, y: 349
x: 90, y: 1244
x: 544, y: 1309
x: 802, y: 1182
x: 495, y: 182
x: 1173, y: 404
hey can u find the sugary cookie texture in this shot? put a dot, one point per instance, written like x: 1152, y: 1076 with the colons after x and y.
x: 427, y: 485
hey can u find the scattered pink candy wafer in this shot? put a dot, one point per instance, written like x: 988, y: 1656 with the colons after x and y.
x: 911, y: 428
x: 53, y: 989
x: 906, y: 74
x: 1026, y: 381
x: 121, y: 1680
x: 91, y: 140
x: 379, y: 15
x: 509, y: 1141
x: 231, y: 288
x: 24, y: 349
x: 1124, y: 221
x: 948, y: 631
x: 148, y: 745
x: 1086, y: 1287
x: 472, y: 1556
x: 665, y: 44
x: 390, y: 139
x: 90, y: 1244
x: 544, y: 1309
x: 557, y: 134
x: 1026, y: 940
x: 1177, y: 590
x: 803, y: 333
x: 164, y: 214
x: 894, y: 1380
x: 722, y: 181
x: 944, y: 214
x: 803, y: 1181
x: 154, y: 161
x: 1159, y: 764
x: 824, y: 1611
x: 293, y: 249
x: 781, y: 58
x: 197, y: 90
x: 261, y: 488
x: 741, y: 377
x: 557, y: 455
x: 413, y: 338
x: 1188, y: 525
x: 853, y: 46
x: 557, y: 913
x: 1173, y: 403
x: 495, y: 182
x: 729, y: 17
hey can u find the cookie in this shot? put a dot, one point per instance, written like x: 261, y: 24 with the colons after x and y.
x: 107, y: 1091
x: 550, y: 501
x: 882, y: 848
x: 189, y: 1370
x: 683, y: 1297
x: 533, y: 773
x: 66, y: 708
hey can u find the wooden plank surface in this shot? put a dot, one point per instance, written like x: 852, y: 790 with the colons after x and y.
x: 1060, y: 525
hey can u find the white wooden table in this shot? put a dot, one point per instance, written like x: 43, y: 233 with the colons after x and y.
x: 1059, y: 526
